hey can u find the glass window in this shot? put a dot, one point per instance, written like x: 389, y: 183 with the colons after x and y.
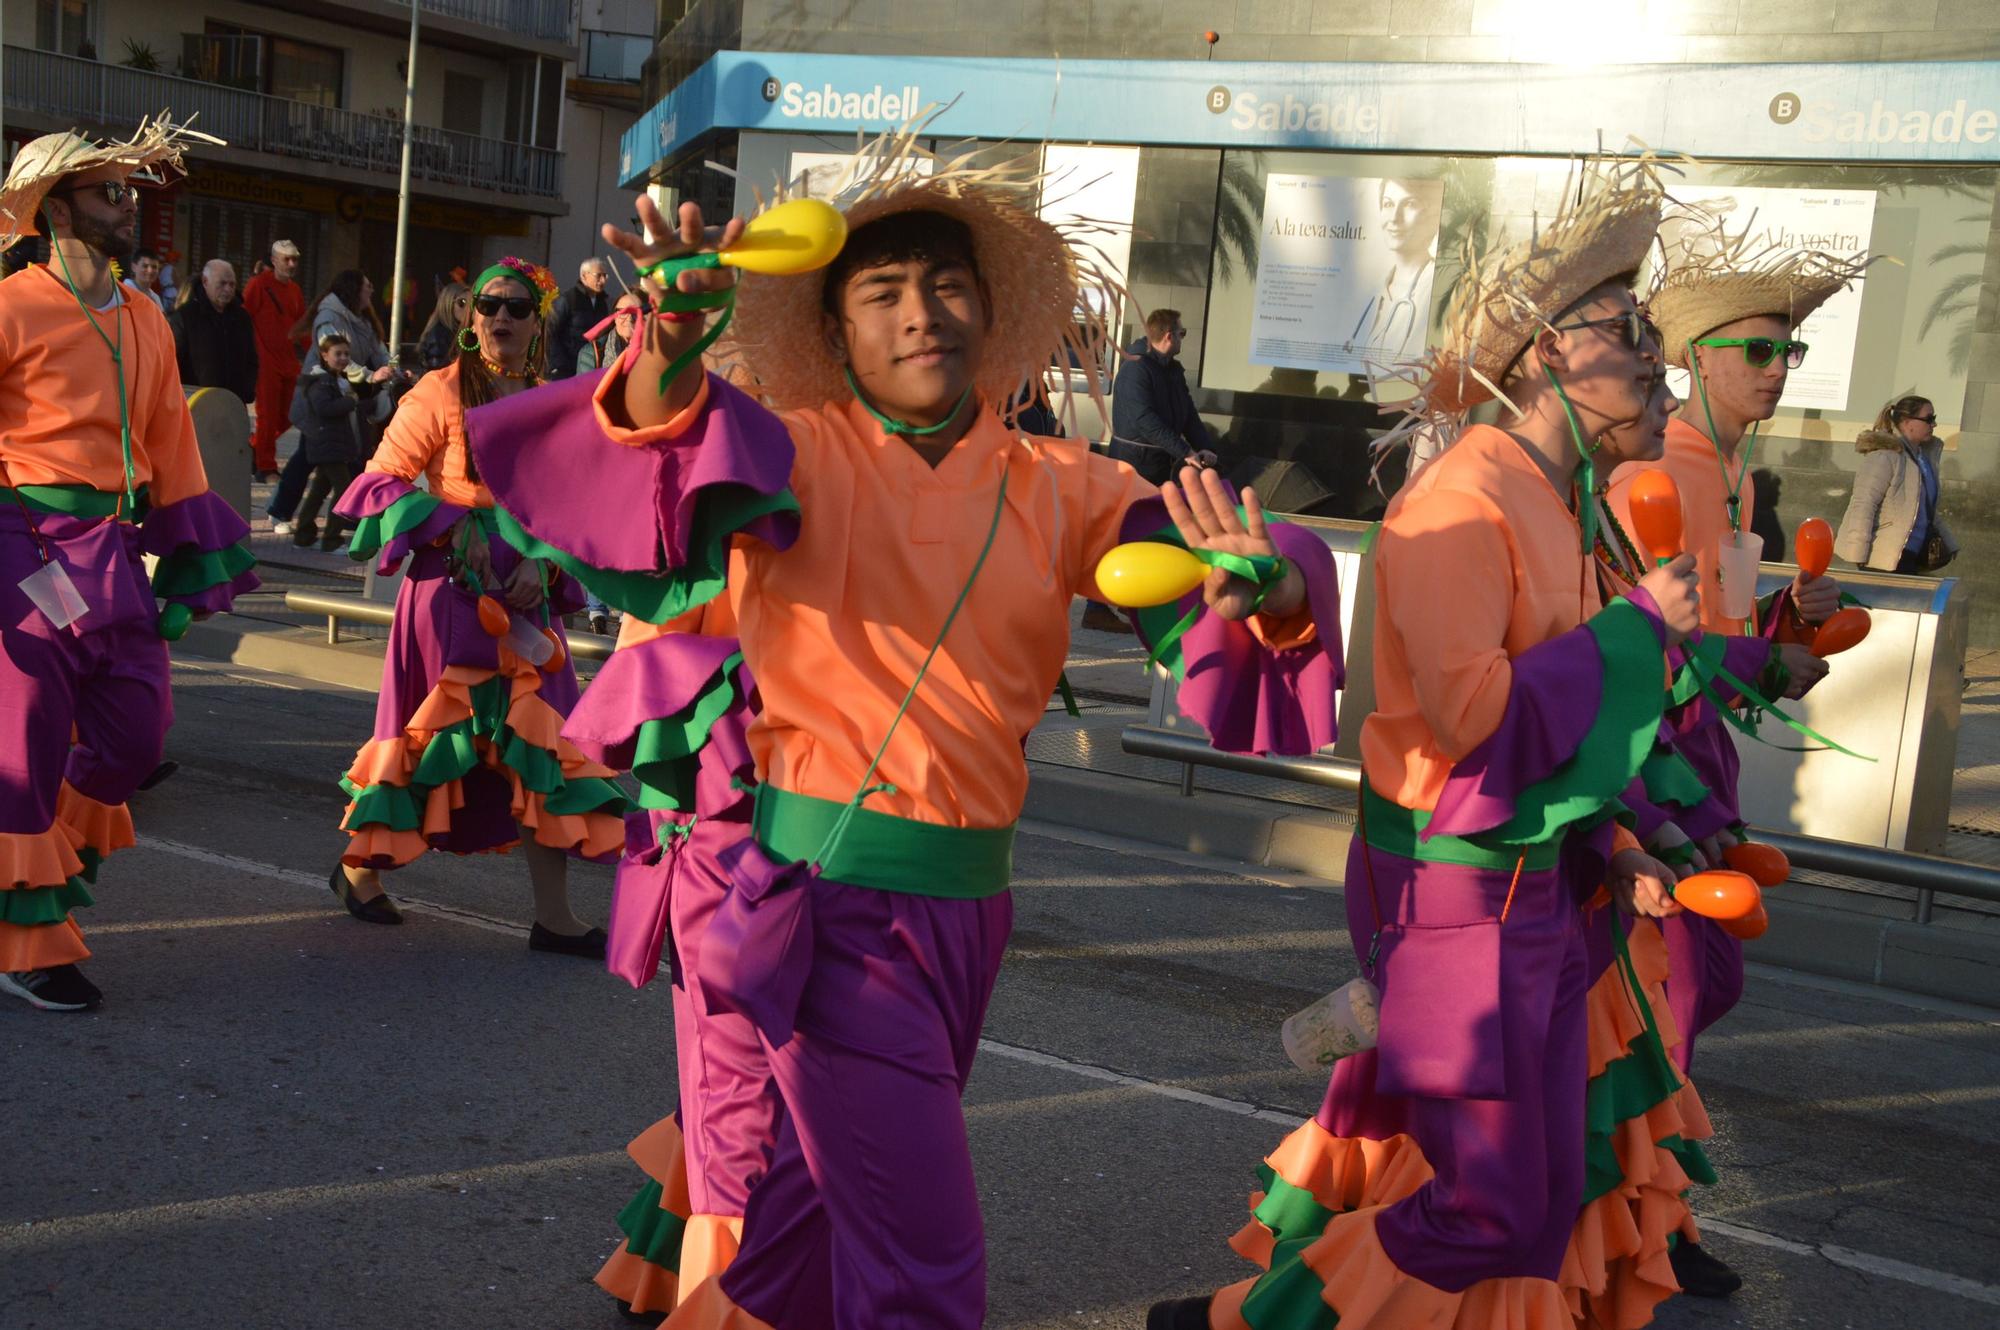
x: 65, y: 26
x: 304, y: 72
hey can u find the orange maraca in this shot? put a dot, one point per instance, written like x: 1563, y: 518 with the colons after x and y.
x: 1750, y: 926
x: 1814, y: 547
x: 1718, y: 894
x: 1845, y: 629
x: 1655, y: 501
x: 492, y: 616
x: 1766, y: 865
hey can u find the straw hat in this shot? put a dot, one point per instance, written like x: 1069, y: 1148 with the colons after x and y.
x: 1051, y: 294
x: 1721, y: 278
x: 43, y: 162
x: 1604, y: 229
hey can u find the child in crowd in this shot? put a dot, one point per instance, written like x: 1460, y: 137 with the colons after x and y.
x: 331, y: 436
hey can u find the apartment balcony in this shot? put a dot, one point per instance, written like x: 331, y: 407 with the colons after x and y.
x: 489, y: 27
x: 346, y: 147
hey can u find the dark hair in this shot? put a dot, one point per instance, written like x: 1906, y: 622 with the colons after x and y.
x: 1162, y: 321
x: 919, y: 235
x: 143, y: 253
x: 1900, y: 410
x: 1623, y: 281
x: 347, y: 285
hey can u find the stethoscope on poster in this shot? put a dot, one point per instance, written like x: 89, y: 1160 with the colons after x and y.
x: 1391, y: 319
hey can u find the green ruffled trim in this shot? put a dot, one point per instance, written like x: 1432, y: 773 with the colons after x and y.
x: 1291, y: 1213
x: 720, y: 513
x: 1620, y: 736
x: 1687, y: 683
x: 452, y: 754
x: 189, y: 571
x: 28, y: 907
x: 1156, y: 621
x: 652, y: 1234
x: 665, y: 756
x: 399, y: 518
x: 1290, y: 1296
x: 1671, y: 779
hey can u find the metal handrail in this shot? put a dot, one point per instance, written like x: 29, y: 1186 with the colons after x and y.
x: 62, y: 85
x: 550, y: 20
x: 337, y: 606
x: 1927, y: 873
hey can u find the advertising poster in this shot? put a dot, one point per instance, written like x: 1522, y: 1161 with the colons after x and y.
x: 1345, y: 269
x: 822, y: 172
x: 1838, y: 221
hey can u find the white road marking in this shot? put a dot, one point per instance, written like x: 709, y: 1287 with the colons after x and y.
x: 1864, y: 1262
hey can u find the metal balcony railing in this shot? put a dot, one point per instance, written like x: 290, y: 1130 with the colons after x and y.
x: 61, y: 85
x: 550, y: 20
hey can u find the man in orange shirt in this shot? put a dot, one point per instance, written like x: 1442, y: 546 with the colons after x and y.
x: 276, y: 306
x: 98, y: 467
x: 902, y: 565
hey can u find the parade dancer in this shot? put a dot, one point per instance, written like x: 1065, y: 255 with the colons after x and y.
x: 1729, y: 316
x: 1439, y: 1183
x: 467, y: 754
x: 907, y: 559
x: 98, y: 467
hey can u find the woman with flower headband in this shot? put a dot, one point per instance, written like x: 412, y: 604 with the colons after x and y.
x: 467, y: 755
x: 900, y: 561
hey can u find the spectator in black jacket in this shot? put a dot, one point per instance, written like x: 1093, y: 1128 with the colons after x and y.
x: 1154, y: 426
x: 331, y: 436
x: 214, y: 337
x: 577, y: 311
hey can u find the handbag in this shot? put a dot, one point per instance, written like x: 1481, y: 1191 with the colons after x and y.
x: 1935, y: 554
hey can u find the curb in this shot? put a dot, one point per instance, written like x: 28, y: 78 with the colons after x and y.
x: 1824, y: 931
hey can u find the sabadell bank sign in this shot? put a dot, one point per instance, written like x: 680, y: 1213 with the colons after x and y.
x: 1945, y: 111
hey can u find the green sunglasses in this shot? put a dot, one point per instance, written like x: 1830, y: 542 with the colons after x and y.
x: 1760, y: 351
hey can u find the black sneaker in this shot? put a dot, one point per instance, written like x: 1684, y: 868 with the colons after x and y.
x: 56, y: 988
x: 305, y: 532
x: 600, y: 624
x: 587, y: 944
x: 1702, y: 1275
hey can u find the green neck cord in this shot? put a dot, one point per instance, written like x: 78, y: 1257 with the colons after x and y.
x: 1749, y: 447
x: 839, y: 829
x: 676, y: 301
x: 895, y: 426
x: 1586, y: 478
x: 117, y: 351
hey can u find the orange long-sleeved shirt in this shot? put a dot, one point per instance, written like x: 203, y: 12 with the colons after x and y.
x: 1478, y: 560
x: 426, y: 437
x: 1691, y: 460
x: 59, y: 400
x: 276, y: 307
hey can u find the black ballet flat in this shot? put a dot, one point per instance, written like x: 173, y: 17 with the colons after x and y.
x: 590, y: 944
x: 381, y: 910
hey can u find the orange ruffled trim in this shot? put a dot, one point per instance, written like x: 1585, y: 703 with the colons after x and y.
x: 105, y: 828
x: 638, y: 1283
x: 40, y: 858
x: 707, y: 1307
x: 1341, y: 1172
x: 1370, y: 1292
x: 38, y: 946
x: 394, y: 762
x: 1617, y: 1271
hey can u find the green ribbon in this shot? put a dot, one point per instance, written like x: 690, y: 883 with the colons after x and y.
x: 1586, y: 478
x: 676, y: 301
x: 1266, y: 570
x: 895, y: 426
x: 1706, y: 672
x: 1068, y: 694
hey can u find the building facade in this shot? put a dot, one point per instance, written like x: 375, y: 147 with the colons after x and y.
x: 519, y: 106
x: 1244, y: 163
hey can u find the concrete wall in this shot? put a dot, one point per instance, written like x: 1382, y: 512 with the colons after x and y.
x: 590, y: 185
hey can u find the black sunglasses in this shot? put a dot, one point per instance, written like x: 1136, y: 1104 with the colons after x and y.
x: 518, y: 306
x: 115, y: 191
x: 1930, y: 420
x: 1636, y: 326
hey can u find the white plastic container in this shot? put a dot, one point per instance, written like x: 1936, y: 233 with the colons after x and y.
x: 1342, y: 1023
x: 1738, y: 557
x: 528, y: 641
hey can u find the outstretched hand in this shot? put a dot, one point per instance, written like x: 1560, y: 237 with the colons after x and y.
x: 667, y: 338
x: 1201, y: 511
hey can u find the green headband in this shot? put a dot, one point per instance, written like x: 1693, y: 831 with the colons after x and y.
x: 512, y: 273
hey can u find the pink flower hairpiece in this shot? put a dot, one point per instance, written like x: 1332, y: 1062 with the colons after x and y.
x: 544, y: 281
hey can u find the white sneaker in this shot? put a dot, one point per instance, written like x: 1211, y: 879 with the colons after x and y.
x: 281, y: 528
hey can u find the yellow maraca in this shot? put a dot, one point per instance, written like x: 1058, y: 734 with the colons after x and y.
x: 791, y: 238
x: 1145, y: 573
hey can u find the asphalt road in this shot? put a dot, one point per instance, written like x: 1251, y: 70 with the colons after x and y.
x: 282, y: 1117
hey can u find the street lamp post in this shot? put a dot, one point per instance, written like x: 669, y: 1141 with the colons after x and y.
x: 403, y: 193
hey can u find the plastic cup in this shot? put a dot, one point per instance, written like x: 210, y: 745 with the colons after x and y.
x: 528, y: 641
x: 1342, y: 1023
x: 1738, y: 557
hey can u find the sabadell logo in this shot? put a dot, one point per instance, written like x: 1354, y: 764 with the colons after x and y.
x: 1823, y: 122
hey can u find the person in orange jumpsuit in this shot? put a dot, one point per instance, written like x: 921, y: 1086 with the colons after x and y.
x: 99, y: 467
x: 276, y: 305
x: 1733, y: 325
x: 907, y: 562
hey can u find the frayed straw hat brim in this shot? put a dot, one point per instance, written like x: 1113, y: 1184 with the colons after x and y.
x: 43, y: 162
x: 1051, y: 297
x: 1693, y: 300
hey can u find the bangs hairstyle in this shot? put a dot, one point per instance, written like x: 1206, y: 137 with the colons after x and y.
x: 919, y: 235
x: 330, y: 340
